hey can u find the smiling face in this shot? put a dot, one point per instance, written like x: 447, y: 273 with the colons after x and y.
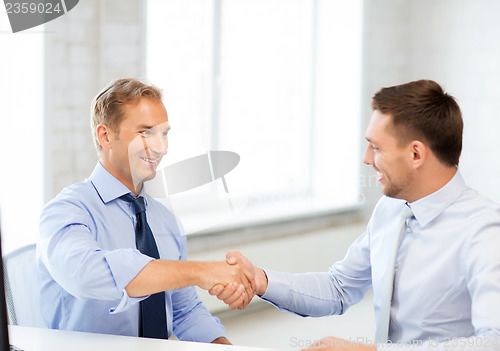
x: 391, y: 160
x: 133, y: 151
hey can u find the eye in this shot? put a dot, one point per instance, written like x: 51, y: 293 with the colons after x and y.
x: 164, y: 134
x: 146, y: 133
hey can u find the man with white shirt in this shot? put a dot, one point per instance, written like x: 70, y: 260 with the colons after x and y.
x: 435, y: 272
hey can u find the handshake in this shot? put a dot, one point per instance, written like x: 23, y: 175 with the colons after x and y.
x: 236, y: 281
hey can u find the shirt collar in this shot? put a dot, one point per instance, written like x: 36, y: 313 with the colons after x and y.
x: 107, y: 186
x: 429, y: 207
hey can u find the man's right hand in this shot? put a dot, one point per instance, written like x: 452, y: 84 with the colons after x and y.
x: 228, y: 277
x: 229, y: 294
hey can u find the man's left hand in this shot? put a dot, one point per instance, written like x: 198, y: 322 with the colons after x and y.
x: 333, y: 343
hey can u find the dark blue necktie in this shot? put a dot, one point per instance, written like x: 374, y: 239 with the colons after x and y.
x: 153, y: 319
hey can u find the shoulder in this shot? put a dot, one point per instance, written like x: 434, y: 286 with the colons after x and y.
x: 74, y: 205
x: 475, y: 218
x: 472, y: 204
x: 78, y: 195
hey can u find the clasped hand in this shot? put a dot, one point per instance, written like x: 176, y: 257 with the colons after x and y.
x: 233, y: 294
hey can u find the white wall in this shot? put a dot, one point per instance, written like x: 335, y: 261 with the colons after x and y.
x: 454, y: 42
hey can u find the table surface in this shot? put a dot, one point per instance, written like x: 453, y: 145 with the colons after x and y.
x: 37, y: 339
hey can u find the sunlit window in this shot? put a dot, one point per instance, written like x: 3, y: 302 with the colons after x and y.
x: 21, y: 123
x: 277, y: 82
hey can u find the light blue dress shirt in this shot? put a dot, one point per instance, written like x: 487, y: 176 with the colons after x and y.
x: 447, y: 276
x: 87, y: 256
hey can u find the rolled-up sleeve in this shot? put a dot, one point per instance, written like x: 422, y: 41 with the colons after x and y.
x: 125, y: 265
x: 69, y: 251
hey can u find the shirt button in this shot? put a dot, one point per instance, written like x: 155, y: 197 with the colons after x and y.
x: 396, y: 266
x: 408, y: 230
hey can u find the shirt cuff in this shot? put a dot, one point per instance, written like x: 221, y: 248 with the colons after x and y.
x: 278, y: 287
x: 125, y: 264
x: 126, y: 302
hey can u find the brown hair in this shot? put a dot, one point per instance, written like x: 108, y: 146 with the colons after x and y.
x: 107, y: 106
x: 421, y: 110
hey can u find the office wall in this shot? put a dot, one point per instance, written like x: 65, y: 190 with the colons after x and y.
x: 454, y: 42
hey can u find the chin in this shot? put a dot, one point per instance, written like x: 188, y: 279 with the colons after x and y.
x: 395, y: 195
x: 149, y: 176
x: 145, y: 176
x: 390, y: 192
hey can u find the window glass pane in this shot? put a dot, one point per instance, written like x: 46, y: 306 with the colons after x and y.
x: 336, y: 156
x: 176, y: 62
x: 21, y: 144
x: 264, y: 98
x: 276, y: 81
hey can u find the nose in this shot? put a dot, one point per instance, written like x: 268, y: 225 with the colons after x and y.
x: 368, y: 157
x: 158, y: 144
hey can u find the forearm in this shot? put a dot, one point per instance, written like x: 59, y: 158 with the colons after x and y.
x: 162, y: 275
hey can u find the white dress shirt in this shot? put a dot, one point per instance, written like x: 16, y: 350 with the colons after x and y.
x: 447, y: 280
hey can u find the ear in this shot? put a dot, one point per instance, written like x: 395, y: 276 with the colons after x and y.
x: 419, y: 153
x: 104, y: 136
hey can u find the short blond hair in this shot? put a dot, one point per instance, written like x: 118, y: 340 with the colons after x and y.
x: 107, y: 106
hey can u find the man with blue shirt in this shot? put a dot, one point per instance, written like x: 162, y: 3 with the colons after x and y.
x: 431, y: 248
x: 93, y: 277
